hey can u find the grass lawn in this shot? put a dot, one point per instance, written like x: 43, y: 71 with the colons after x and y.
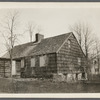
x: 44, y: 86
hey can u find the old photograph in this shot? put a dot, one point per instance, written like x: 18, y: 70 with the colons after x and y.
x: 49, y: 48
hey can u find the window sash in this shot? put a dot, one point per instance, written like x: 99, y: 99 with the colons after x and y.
x: 22, y: 63
x: 43, y: 61
x: 32, y: 62
x: 69, y: 43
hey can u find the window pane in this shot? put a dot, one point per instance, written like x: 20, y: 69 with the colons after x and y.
x: 95, y: 62
x: 69, y: 43
x: 18, y: 65
x: 32, y: 62
x: 43, y: 61
x: 22, y: 63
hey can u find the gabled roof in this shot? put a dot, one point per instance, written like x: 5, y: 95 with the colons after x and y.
x: 47, y: 45
x: 50, y: 45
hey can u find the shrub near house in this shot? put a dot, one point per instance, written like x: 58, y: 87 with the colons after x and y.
x: 58, y: 55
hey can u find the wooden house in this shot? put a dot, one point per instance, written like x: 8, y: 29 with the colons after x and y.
x: 48, y: 56
x: 95, y: 64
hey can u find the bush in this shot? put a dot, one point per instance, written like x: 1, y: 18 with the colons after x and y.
x: 46, y: 76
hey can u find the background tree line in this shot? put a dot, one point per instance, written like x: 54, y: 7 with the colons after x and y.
x: 88, y: 41
x: 9, y: 30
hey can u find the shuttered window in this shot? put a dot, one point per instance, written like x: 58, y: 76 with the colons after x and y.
x: 32, y: 62
x: 43, y: 61
x: 22, y: 63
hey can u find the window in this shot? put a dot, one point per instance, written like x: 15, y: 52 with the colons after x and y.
x: 22, y: 63
x: 18, y: 65
x: 97, y: 70
x: 95, y: 62
x: 69, y: 43
x: 79, y: 61
x: 32, y: 62
x: 43, y: 61
x: 83, y: 75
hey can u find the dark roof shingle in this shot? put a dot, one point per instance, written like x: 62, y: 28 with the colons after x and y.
x: 21, y: 50
x: 47, y: 45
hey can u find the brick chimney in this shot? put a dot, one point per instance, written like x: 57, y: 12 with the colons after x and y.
x: 39, y: 37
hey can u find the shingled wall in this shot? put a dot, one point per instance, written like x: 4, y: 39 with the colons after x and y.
x: 5, y: 68
x: 50, y: 68
x: 67, y: 61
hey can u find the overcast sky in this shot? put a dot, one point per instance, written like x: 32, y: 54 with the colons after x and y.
x: 53, y: 19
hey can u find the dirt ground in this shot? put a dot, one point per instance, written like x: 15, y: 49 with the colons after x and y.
x: 45, y: 86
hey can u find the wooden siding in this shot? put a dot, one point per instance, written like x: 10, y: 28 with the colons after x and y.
x: 37, y: 70
x: 5, y: 68
x: 67, y: 58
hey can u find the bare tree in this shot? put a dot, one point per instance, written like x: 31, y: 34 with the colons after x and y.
x: 97, y: 50
x: 39, y: 29
x: 84, y: 34
x: 9, y: 27
x: 30, y: 29
x: 77, y: 28
x: 96, y: 46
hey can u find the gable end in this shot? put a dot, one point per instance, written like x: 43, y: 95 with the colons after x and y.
x: 63, y: 43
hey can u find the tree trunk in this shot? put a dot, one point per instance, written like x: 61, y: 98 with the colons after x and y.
x: 11, y: 62
x: 4, y: 68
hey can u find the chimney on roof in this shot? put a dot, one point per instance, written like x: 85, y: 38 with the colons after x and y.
x: 39, y: 37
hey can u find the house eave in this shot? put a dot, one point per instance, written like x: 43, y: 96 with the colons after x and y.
x: 4, y: 58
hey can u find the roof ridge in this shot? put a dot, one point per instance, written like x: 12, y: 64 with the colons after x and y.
x: 56, y: 41
x: 26, y: 43
x: 34, y: 42
x: 47, y: 45
x: 58, y: 35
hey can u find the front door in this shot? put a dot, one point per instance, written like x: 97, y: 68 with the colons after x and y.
x: 18, y: 67
x: 13, y: 68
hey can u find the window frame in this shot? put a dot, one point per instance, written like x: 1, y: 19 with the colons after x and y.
x: 69, y: 43
x: 45, y: 59
x: 95, y: 62
x: 34, y: 62
x: 23, y: 63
